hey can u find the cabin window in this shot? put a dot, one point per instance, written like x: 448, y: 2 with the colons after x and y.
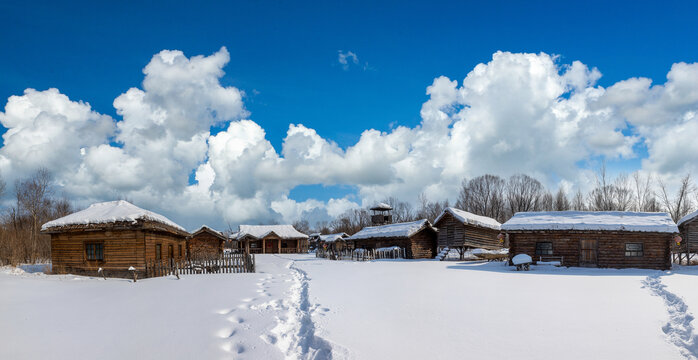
x: 94, y: 251
x: 544, y: 248
x: 170, y: 251
x: 158, y: 251
x: 284, y: 245
x: 253, y: 245
x: 634, y: 250
x: 180, y: 250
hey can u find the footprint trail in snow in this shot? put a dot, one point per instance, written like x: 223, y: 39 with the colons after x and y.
x: 679, y: 330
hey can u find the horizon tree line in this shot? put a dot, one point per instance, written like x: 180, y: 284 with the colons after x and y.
x: 36, y: 202
x: 500, y: 198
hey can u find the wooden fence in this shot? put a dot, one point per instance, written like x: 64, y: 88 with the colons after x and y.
x: 361, y: 254
x: 223, y: 264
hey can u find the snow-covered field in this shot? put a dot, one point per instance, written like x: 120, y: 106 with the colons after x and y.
x: 298, y: 306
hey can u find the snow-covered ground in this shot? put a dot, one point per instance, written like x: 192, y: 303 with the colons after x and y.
x: 298, y: 306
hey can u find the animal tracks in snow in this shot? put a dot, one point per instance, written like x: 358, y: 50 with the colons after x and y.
x: 679, y: 330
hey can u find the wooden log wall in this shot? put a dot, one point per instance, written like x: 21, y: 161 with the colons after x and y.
x: 689, y: 234
x: 454, y: 233
x: 204, y: 244
x: 121, y: 249
x: 421, y: 245
x: 152, y: 239
x: 610, y: 247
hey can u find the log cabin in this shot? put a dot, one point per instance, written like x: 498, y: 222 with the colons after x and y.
x: 272, y: 239
x: 418, y: 238
x: 205, y: 242
x: 113, y: 236
x: 612, y: 239
x: 461, y: 230
x: 688, y: 246
x: 333, y: 242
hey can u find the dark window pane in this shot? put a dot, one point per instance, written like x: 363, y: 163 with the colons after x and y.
x: 634, y: 249
x: 544, y: 248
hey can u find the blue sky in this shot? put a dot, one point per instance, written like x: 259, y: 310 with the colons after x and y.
x: 284, y: 55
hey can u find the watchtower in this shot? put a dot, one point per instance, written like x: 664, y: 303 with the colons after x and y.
x: 381, y: 214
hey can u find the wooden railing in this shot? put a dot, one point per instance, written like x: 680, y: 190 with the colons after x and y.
x: 225, y: 263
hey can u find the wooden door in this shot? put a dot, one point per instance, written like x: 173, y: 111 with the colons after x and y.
x: 588, y: 252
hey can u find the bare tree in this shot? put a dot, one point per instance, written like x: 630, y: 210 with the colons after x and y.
x: 622, y: 194
x: 523, y: 193
x: 578, y: 202
x: 679, y: 205
x: 402, y: 211
x: 302, y: 225
x: 561, y: 203
x: 350, y: 222
x: 644, y: 198
x: 430, y: 210
x: 483, y: 195
x: 545, y: 202
x: 20, y: 238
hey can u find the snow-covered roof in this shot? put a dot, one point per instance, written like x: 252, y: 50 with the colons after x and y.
x: 688, y: 217
x: 206, y: 227
x: 109, y: 212
x: 382, y: 206
x: 391, y: 230
x: 233, y: 235
x: 333, y: 237
x: 260, y: 231
x: 470, y: 218
x: 592, y: 220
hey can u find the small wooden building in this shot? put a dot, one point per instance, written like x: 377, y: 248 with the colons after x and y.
x: 612, y: 239
x: 687, y: 249
x: 113, y: 236
x: 462, y: 230
x: 272, y: 239
x: 418, y: 238
x: 205, y: 242
x: 334, y: 242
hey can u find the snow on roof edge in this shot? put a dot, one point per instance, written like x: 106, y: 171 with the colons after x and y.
x: 470, y: 218
x: 687, y: 218
x: 110, y: 212
x: 285, y: 231
x: 202, y: 227
x: 592, y: 221
x: 391, y: 230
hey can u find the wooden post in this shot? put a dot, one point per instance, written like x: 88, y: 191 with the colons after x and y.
x: 278, y: 245
x: 264, y: 246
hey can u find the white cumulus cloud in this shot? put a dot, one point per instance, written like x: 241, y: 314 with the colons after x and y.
x: 518, y: 112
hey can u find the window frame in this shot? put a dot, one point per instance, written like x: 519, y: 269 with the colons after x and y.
x: 97, y: 254
x: 539, y: 249
x: 158, y: 251
x: 180, y: 250
x: 639, y: 251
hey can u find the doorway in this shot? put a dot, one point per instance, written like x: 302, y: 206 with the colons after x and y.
x: 588, y: 250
